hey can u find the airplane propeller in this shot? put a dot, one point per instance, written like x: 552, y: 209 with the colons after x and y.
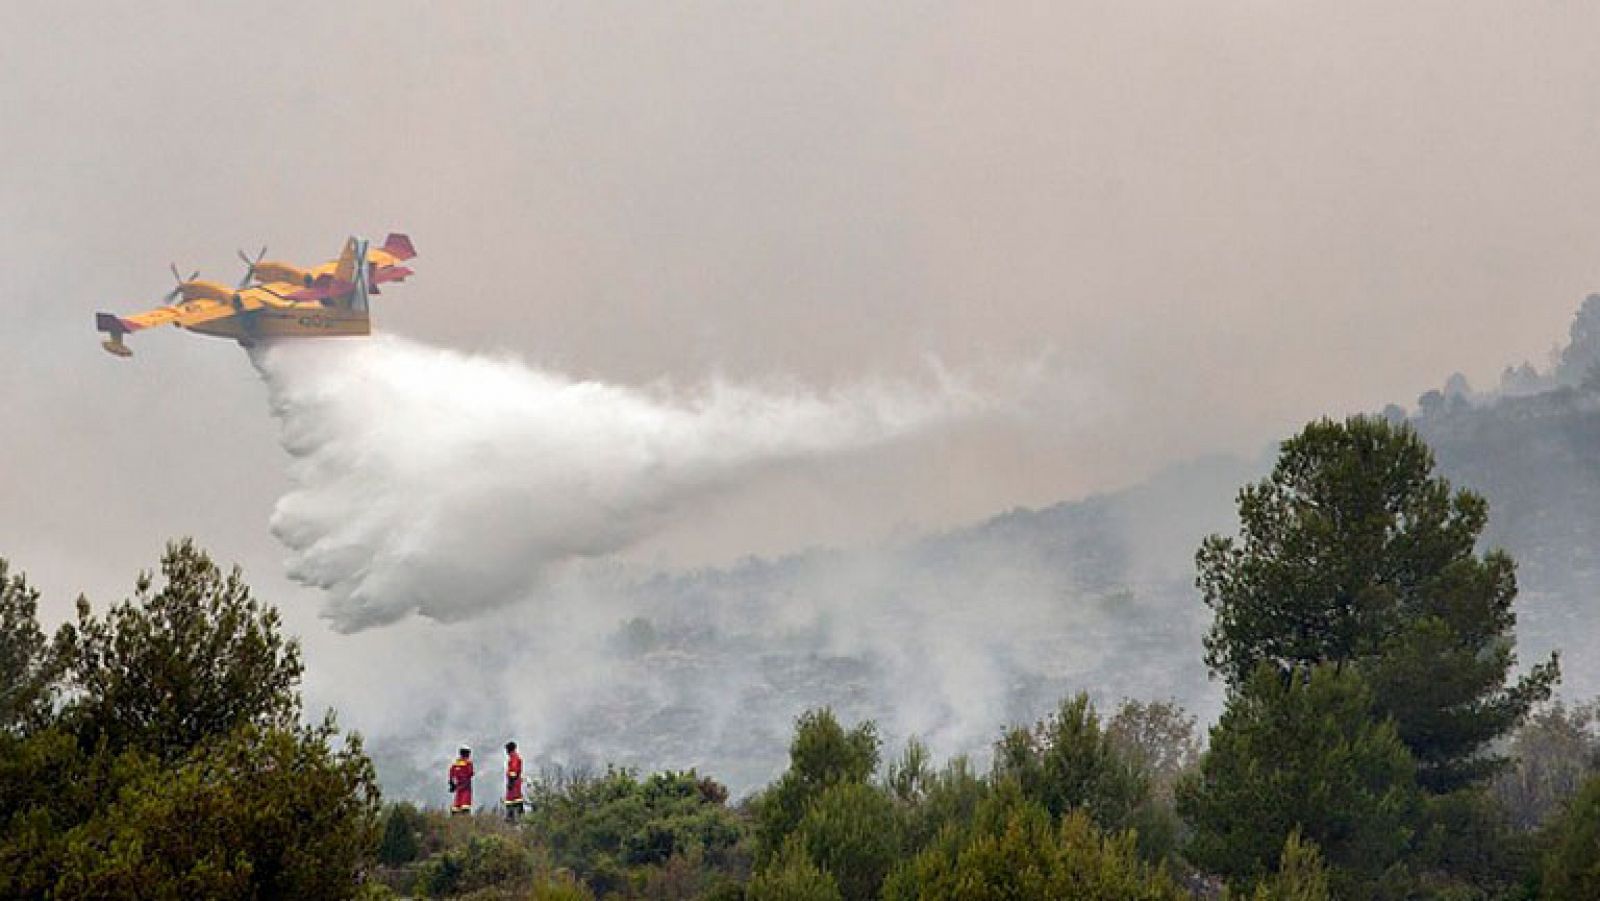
x: 250, y: 265
x: 172, y: 295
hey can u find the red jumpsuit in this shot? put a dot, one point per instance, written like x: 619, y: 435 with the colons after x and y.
x: 514, y: 779
x: 461, y: 784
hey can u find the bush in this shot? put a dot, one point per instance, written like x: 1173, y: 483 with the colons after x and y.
x: 1572, y: 867
x: 401, y: 828
x: 597, y: 827
x: 1301, y: 875
x: 1013, y: 850
x: 792, y: 877
x: 852, y: 833
x: 277, y: 813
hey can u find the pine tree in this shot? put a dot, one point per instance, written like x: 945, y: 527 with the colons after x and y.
x: 27, y: 664
x: 1353, y: 552
x: 176, y: 666
x: 1300, y: 752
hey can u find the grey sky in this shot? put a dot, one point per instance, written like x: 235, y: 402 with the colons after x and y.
x: 1226, y: 217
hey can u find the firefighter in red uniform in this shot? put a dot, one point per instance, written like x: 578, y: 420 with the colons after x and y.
x: 514, y: 800
x: 461, y: 782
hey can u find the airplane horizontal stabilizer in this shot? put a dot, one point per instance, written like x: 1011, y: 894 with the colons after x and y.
x: 390, y: 274
x: 113, y: 325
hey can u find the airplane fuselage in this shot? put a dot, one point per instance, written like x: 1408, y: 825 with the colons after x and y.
x: 310, y: 320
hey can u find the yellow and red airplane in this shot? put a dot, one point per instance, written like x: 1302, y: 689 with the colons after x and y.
x: 275, y: 300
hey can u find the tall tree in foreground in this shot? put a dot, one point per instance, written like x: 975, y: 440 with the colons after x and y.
x: 1353, y: 552
x: 176, y: 665
x: 178, y: 767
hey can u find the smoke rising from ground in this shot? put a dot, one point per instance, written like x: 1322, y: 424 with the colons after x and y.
x: 433, y: 482
x: 492, y: 498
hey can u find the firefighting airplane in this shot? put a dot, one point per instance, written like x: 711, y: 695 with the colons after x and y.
x: 274, y: 300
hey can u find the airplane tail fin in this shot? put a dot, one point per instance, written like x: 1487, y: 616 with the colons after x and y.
x: 345, y: 269
x: 352, y: 270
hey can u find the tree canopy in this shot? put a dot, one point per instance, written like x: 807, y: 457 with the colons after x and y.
x: 175, y: 666
x: 1353, y: 552
x: 27, y: 665
x: 176, y: 765
x: 1299, y: 752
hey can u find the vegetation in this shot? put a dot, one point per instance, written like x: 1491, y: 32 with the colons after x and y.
x: 1301, y: 755
x: 1354, y: 552
x: 1572, y: 866
x: 157, y: 752
x: 1375, y: 744
x: 1368, y: 651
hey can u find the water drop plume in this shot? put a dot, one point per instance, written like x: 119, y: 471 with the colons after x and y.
x: 445, y: 484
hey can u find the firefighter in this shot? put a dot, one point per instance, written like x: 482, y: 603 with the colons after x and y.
x: 461, y: 783
x: 514, y: 799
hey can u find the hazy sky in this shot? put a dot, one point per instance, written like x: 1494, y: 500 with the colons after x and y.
x: 1213, y: 220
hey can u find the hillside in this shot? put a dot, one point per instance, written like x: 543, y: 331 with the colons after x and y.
x: 954, y: 635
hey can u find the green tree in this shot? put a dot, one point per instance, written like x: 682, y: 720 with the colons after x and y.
x: 402, y: 824
x: 275, y: 812
x: 792, y: 876
x: 1465, y: 845
x: 27, y: 666
x: 1068, y: 762
x: 851, y: 831
x: 1300, y: 752
x: 178, y: 666
x: 1301, y: 874
x: 178, y: 767
x: 945, y: 798
x: 1013, y: 849
x: 1353, y: 552
x: 1572, y: 867
x: 821, y: 755
x: 48, y: 786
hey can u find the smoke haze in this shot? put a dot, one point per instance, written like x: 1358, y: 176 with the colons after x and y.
x: 1232, y: 217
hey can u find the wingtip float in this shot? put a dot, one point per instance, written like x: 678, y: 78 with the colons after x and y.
x: 274, y: 299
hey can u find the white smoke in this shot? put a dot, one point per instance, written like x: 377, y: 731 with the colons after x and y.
x: 493, y: 499
x: 433, y: 482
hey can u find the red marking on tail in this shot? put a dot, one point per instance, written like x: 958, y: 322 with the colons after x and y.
x: 389, y: 274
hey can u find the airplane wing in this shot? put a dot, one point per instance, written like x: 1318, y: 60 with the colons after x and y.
x: 186, y: 313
